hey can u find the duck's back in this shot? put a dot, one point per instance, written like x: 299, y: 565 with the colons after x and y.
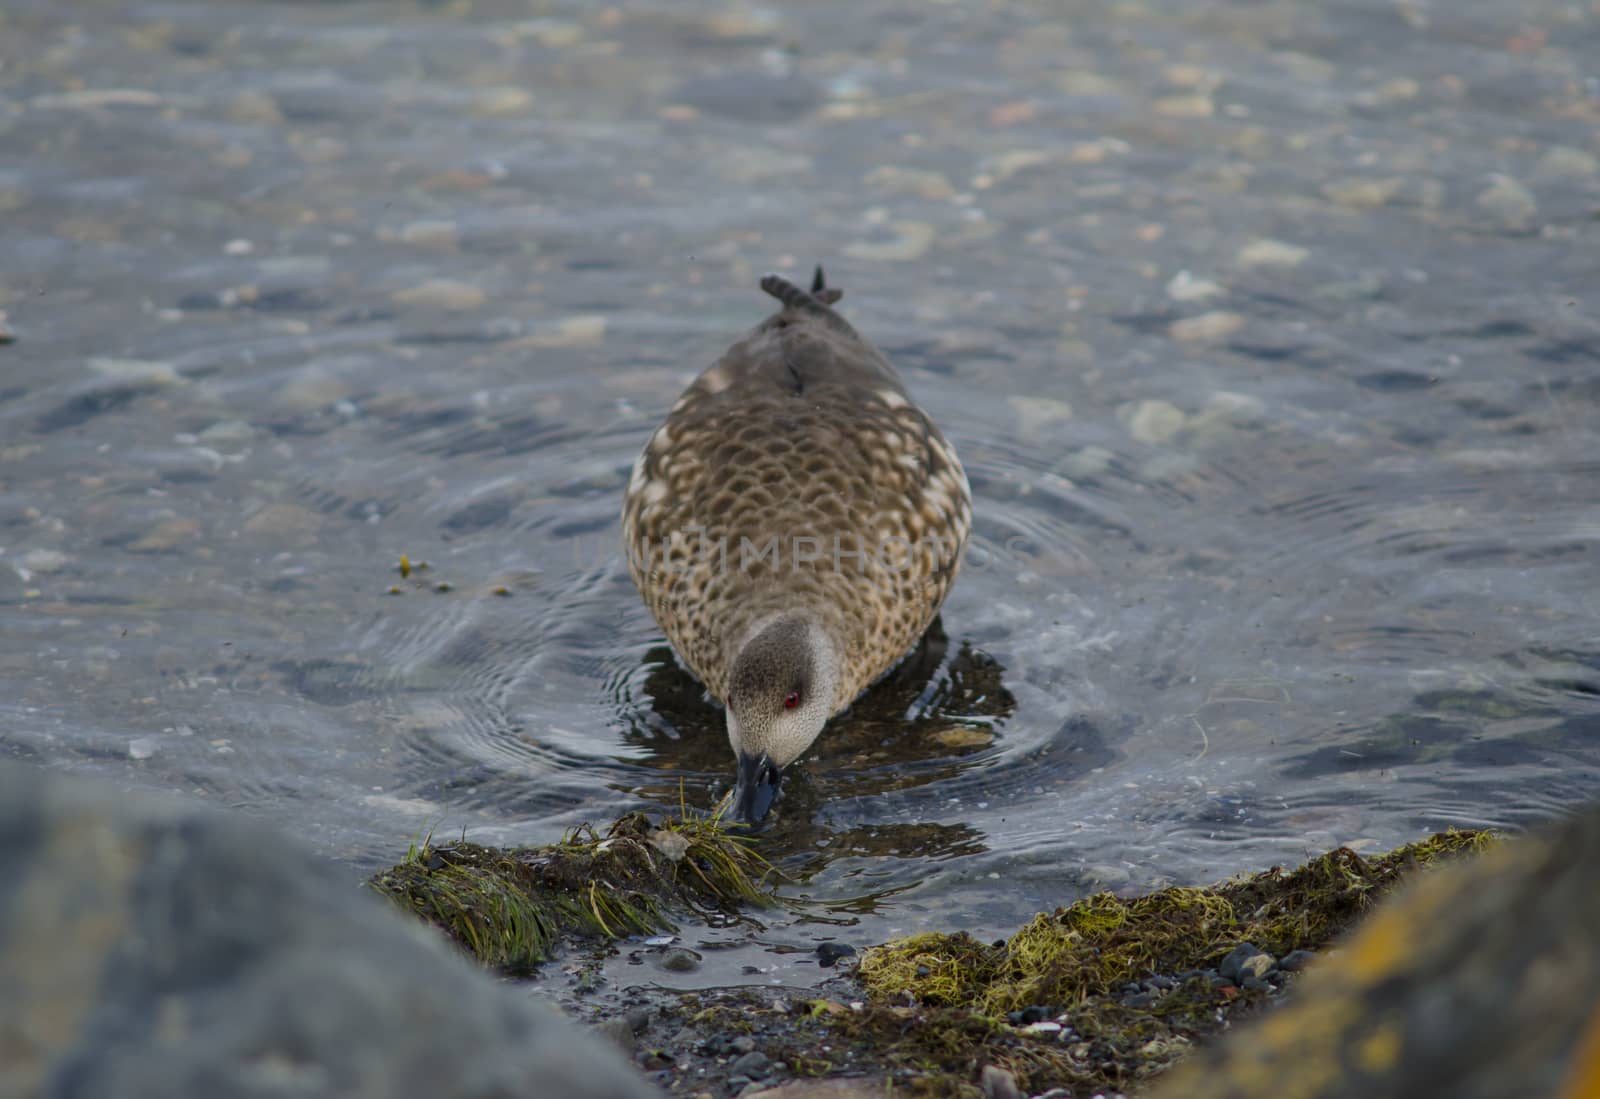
x: 796, y: 472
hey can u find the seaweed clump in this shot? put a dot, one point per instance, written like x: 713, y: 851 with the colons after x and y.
x: 1103, y: 942
x: 511, y: 907
x: 1103, y: 994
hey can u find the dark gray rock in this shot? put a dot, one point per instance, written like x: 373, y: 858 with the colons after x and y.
x: 618, y: 1031
x: 754, y: 1064
x: 150, y: 949
x: 829, y: 953
x: 1296, y: 960
x: 1246, y: 960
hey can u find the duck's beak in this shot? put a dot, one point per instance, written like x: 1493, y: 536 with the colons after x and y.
x: 756, y: 789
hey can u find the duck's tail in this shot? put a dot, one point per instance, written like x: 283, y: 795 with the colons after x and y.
x: 819, y: 298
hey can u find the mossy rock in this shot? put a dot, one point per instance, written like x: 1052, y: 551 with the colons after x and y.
x: 510, y: 908
x: 1482, y: 981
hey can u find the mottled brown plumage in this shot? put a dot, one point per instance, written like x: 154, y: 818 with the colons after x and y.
x: 795, y: 523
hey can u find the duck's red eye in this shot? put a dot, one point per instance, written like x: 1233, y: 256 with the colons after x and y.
x: 791, y: 700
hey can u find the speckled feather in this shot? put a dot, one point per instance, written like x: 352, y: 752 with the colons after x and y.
x: 802, y: 430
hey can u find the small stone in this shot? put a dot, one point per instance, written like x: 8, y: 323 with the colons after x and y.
x: 166, y: 535
x: 494, y: 102
x: 584, y: 330
x: 679, y: 960
x: 135, y: 371
x: 1271, y: 253
x: 1037, y: 415
x: 1155, y: 422
x: 830, y: 953
x: 1255, y: 984
x: 1184, y: 106
x: 141, y: 747
x: 1510, y: 202
x: 437, y: 235
x: 448, y: 294
x: 1246, y: 960
x: 1141, y: 999
x: 1296, y: 960
x: 227, y: 432
x: 1564, y: 160
x: 911, y: 242
x: 1363, y: 194
x: 742, y: 1044
x: 997, y: 1083
x: 638, y: 1018
x: 930, y: 185
x: 44, y: 561
x: 255, y: 107
x: 1043, y: 1027
x: 1038, y: 1013
x: 1185, y: 287
x: 1206, y: 328
x: 754, y: 1065
x: 617, y: 1031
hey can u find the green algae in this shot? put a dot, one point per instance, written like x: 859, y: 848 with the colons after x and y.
x: 1099, y: 944
x: 938, y: 1003
x: 511, y: 907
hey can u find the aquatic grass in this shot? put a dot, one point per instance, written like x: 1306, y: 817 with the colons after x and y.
x: 1100, y: 943
x: 511, y: 907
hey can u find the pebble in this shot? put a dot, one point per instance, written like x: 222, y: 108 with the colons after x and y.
x: 1509, y: 202
x: 1296, y: 960
x: 141, y: 747
x: 1205, y: 328
x: 638, y: 1018
x: 1564, y: 160
x: 1246, y: 960
x: 997, y: 1083
x: 830, y: 953
x: 1363, y: 194
x: 911, y: 242
x: 448, y: 294
x: 617, y: 1031
x: 754, y: 1065
x: 679, y: 960
x: 1154, y: 422
x: 742, y: 1044
x: 135, y: 371
x: 1255, y: 984
x: 166, y: 535
x: 44, y: 561
x: 1185, y: 287
x: 1271, y: 253
x: 584, y: 330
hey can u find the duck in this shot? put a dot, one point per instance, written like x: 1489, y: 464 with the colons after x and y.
x: 794, y: 526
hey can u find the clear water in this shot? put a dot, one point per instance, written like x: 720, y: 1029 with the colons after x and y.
x: 1265, y: 331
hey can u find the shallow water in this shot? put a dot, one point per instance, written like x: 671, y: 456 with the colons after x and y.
x: 1265, y: 332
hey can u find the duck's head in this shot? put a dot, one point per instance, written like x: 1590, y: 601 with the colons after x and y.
x: 780, y: 695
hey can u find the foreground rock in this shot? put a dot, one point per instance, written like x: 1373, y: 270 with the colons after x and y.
x: 1481, y: 981
x: 153, y: 950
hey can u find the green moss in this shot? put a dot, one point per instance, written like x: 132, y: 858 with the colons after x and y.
x: 510, y: 907
x: 1100, y: 943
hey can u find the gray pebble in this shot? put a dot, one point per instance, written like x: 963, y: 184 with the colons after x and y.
x: 679, y: 960
x: 1296, y: 960
x: 742, y: 1044
x: 754, y: 1064
x: 618, y: 1032
x: 1246, y: 960
x: 638, y: 1018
